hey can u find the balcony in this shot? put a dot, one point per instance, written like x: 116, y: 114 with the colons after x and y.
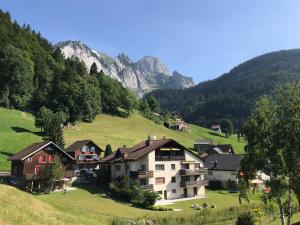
x: 87, y: 158
x: 190, y: 172
x: 169, y: 158
x: 148, y: 187
x: 194, y: 183
x: 141, y: 174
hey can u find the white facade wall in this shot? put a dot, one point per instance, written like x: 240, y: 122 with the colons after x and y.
x: 166, y: 188
x: 222, y: 176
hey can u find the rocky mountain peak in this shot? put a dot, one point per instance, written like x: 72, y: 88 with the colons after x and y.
x: 152, y: 65
x: 145, y: 75
x: 124, y: 59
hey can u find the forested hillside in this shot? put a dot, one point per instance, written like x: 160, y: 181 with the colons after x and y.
x: 34, y: 74
x: 233, y: 94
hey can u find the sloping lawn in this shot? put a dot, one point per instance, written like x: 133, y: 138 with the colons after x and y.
x: 16, y: 132
x: 119, y: 131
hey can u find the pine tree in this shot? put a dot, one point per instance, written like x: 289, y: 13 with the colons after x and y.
x: 108, y: 150
x: 93, y: 69
x: 54, y: 131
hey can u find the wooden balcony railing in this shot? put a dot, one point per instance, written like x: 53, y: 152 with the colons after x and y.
x: 188, y: 172
x: 141, y: 174
x: 193, y: 183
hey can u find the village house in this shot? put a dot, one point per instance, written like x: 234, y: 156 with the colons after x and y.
x: 86, y: 154
x: 26, y: 164
x: 209, y: 148
x: 179, y: 125
x: 224, y: 168
x: 216, y: 128
x: 164, y: 166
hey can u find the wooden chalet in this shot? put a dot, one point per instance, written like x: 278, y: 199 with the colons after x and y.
x: 86, y: 154
x: 26, y: 164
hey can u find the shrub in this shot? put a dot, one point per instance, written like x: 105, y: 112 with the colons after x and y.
x: 246, y: 218
x: 215, y: 185
x: 160, y: 208
x: 130, y: 191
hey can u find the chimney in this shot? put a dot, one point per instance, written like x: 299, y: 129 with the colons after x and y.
x: 149, y: 141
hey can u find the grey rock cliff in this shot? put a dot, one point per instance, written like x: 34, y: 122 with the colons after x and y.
x: 145, y: 75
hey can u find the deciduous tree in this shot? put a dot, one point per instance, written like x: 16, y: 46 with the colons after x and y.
x: 272, y: 133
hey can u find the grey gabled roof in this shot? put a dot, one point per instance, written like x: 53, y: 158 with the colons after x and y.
x: 33, y: 148
x: 225, y: 162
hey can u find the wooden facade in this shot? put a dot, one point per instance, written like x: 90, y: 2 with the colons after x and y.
x: 27, y: 163
x: 86, y: 154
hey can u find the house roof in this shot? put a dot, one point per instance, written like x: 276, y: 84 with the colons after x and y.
x: 202, y: 142
x: 33, y: 148
x: 223, y: 162
x: 79, y: 144
x: 216, y: 149
x: 137, y: 151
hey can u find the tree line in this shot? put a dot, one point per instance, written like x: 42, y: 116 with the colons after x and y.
x: 34, y: 76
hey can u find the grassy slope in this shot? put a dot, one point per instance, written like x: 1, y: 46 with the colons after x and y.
x: 60, y: 208
x: 84, y: 207
x: 119, y: 131
x: 17, y: 131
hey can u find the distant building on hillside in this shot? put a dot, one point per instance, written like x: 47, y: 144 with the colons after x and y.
x: 216, y: 128
x: 164, y: 166
x: 179, y: 125
x: 209, y: 148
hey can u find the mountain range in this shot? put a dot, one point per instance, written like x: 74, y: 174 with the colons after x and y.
x: 142, y: 76
x: 233, y: 94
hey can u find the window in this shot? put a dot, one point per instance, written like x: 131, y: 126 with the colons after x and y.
x: 43, y: 159
x: 29, y: 159
x: 159, y: 167
x: 159, y: 180
x: 210, y: 172
x: 233, y: 173
x: 160, y: 192
x: 173, y: 191
x: 143, y: 167
x: 51, y: 158
x: 173, y: 179
x: 197, y: 165
x: 118, y: 167
x: 37, y: 169
x: 92, y: 149
x: 173, y: 167
x: 143, y: 182
x: 83, y: 149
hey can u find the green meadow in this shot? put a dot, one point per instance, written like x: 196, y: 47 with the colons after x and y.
x: 17, y: 131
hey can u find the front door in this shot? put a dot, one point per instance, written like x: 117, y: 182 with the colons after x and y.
x: 185, y: 193
x: 195, y: 191
x: 165, y: 194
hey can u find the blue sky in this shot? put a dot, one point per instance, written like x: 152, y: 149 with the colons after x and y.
x: 202, y: 39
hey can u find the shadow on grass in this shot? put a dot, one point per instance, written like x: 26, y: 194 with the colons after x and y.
x: 216, y: 134
x: 297, y: 223
x: 9, y: 154
x: 24, y: 130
